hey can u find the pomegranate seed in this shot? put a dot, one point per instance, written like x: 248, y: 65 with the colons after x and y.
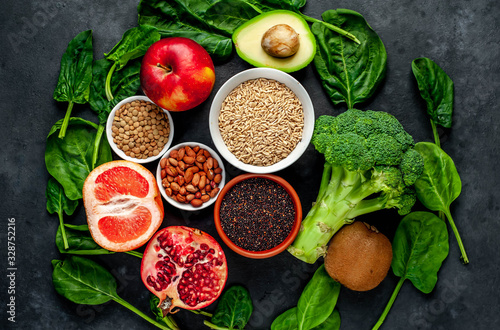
x: 179, y: 248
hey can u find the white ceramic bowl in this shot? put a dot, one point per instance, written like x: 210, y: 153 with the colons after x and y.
x: 268, y: 73
x: 121, y: 153
x: 183, y: 206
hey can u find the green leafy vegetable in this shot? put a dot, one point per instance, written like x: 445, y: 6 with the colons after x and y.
x: 113, y: 75
x: 211, y: 23
x: 154, y: 301
x: 83, y: 281
x: 233, y: 310
x: 419, y: 248
x: 370, y: 165
x: 185, y: 18
x: 318, y: 300
x: 70, y: 160
x: 349, y: 72
x: 57, y: 202
x: 228, y: 15
x: 124, y: 83
x: 75, y: 75
x: 315, y: 306
x: 436, y: 88
x: 286, y: 320
x: 439, y: 185
x: 134, y: 44
x: 80, y: 242
x: 331, y: 323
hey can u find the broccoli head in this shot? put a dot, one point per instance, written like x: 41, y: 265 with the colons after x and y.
x: 370, y: 164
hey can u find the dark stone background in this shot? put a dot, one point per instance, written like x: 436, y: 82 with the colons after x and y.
x: 461, y: 36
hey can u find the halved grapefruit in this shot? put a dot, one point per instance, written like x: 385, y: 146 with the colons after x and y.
x: 123, y: 205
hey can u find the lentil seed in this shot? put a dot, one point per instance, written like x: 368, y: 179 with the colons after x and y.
x: 132, y: 122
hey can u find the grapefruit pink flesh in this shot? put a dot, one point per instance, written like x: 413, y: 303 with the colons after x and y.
x: 121, y: 229
x: 120, y: 181
x: 123, y: 205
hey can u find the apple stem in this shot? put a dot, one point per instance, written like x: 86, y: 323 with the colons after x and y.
x: 167, y: 68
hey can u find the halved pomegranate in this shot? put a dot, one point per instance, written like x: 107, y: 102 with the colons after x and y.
x: 184, y: 267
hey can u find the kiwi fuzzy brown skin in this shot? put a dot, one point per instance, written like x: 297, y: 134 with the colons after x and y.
x: 358, y: 256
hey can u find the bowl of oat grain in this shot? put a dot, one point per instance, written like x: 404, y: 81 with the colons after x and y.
x: 261, y: 120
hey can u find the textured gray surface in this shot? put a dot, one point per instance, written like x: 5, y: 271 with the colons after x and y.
x: 459, y: 35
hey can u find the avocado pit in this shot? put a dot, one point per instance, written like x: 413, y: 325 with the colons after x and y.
x: 281, y: 40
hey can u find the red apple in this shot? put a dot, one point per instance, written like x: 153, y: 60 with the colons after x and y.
x: 177, y: 74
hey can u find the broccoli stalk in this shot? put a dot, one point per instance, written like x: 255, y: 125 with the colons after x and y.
x: 370, y: 165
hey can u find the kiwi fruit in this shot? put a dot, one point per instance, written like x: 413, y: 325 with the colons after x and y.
x: 358, y: 256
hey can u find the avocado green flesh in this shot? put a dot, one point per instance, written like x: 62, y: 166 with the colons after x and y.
x: 247, y: 39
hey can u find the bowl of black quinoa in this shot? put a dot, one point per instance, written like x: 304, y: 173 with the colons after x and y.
x: 258, y: 215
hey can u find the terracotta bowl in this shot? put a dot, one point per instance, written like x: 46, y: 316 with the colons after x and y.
x: 275, y: 250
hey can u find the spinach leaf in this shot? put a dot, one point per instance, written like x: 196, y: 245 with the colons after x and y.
x: 286, y: 320
x: 439, y: 185
x: 331, y: 323
x: 57, y: 202
x: 77, y: 227
x: 315, y: 305
x: 268, y: 5
x: 233, y: 310
x: 75, y: 74
x: 228, y: 15
x: 436, y: 88
x: 83, y: 281
x: 184, y: 18
x: 79, y: 242
x: 349, y: 72
x: 318, y: 299
x: 419, y: 248
x: 124, y: 83
x: 69, y: 160
x: 134, y: 44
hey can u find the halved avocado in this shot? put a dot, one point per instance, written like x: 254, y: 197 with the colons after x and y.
x: 247, y: 39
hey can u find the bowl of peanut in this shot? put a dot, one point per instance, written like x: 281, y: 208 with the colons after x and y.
x: 190, y: 176
x: 138, y: 130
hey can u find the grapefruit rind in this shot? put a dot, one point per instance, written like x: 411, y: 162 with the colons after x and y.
x: 123, y: 207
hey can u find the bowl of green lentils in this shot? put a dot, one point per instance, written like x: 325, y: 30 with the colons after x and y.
x: 138, y: 130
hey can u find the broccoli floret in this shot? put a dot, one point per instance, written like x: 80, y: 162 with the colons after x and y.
x: 370, y: 165
x: 412, y: 166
